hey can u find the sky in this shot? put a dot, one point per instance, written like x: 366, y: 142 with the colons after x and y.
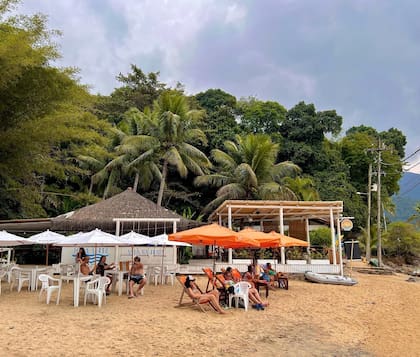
x: 358, y: 57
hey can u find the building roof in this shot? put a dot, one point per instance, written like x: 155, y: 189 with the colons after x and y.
x: 269, y: 211
x: 127, y: 204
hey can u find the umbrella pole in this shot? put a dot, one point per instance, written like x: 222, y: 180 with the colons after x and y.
x: 161, y: 268
x: 46, y: 257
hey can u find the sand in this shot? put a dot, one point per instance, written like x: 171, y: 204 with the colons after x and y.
x: 380, y: 316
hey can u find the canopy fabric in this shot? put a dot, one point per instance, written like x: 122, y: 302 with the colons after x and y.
x: 214, y: 234
x: 272, y: 239
x: 276, y: 240
x: 9, y: 239
x: 46, y: 237
x: 134, y: 238
x: 95, y: 238
x: 162, y: 239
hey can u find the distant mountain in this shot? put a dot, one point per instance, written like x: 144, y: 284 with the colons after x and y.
x: 407, y: 198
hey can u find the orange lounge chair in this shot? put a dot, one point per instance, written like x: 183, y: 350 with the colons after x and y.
x: 194, y: 302
x: 212, y: 282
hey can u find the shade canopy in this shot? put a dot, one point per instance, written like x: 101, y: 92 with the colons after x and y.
x: 134, y: 238
x: 276, y: 240
x: 46, y: 237
x: 95, y: 238
x: 214, y: 234
x: 162, y: 239
x: 9, y: 239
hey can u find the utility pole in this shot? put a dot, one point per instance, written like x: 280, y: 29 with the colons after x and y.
x: 379, y: 150
x: 369, y: 196
x: 379, y: 238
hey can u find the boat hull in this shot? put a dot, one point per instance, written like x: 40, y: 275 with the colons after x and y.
x: 329, y: 279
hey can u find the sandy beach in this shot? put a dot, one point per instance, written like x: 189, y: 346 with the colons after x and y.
x: 380, y: 316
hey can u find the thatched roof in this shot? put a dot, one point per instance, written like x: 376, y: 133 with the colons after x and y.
x: 127, y: 204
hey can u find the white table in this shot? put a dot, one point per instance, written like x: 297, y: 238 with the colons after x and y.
x: 76, y: 278
x: 117, y: 276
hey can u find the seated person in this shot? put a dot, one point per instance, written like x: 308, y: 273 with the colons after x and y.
x: 80, y: 255
x: 229, y: 280
x: 84, y: 266
x: 194, y: 293
x: 136, y: 277
x: 100, y: 269
x: 253, y: 293
x: 271, y: 274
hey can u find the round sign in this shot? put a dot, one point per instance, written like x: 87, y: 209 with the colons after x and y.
x: 346, y: 224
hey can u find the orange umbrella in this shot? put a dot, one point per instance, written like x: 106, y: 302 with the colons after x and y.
x: 214, y: 234
x: 275, y: 240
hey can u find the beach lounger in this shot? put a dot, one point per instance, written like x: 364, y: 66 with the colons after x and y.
x: 194, y: 302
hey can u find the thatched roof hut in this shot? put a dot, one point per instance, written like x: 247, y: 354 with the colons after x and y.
x: 127, y: 204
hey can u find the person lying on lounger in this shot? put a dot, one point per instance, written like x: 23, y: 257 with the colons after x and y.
x: 194, y: 293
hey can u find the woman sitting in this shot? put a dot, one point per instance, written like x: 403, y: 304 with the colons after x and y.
x: 194, y: 293
x: 100, y: 269
x: 253, y: 293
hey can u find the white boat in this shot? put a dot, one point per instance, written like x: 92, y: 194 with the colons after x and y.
x: 329, y: 279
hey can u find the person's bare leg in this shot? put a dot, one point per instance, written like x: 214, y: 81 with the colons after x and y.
x: 141, y: 285
x: 131, y: 284
x: 215, y: 303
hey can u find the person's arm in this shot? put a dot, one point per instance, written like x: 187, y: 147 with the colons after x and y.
x: 193, y: 294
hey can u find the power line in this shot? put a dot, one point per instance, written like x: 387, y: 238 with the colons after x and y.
x: 410, y: 189
x: 409, y: 168
x: 414, y: 153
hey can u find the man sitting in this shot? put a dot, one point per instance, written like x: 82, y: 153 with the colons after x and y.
x: 136, y: 277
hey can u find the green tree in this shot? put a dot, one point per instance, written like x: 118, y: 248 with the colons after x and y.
x: 219, y: 124
x: 303, y: 132
x: 168, y: 134
x: 138, y: 90
x: 247, y: 170
x: 257, y: 116
x: 44, y: 122
x: 402, y: 240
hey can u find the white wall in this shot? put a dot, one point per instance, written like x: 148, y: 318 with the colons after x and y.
x: 149, y: 255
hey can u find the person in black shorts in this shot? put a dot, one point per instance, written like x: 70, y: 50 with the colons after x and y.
x: 136, y: 277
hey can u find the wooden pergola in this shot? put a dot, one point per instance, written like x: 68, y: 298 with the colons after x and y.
x: 273, y: 215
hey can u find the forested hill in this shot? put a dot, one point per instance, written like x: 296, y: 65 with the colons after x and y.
x: 408, y: 196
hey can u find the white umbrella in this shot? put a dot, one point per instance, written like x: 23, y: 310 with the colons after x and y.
x: 48, y: 237
x: 95, y: 238
x: 162, y: 240
x: 9, y: 239
x: 132, y: 238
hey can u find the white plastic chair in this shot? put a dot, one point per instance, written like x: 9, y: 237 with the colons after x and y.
x: 3, y: 273
x: 55, y: 286
x: 169, y: 273
x: 20, y: 276
x: 241, y: 290
x: 156, y: 274
x: 97, y: 289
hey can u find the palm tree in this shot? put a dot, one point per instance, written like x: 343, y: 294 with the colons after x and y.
x: 166, y: 137
x: 247, y: 170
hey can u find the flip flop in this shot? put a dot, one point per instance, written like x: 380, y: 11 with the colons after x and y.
x: 131, y: 297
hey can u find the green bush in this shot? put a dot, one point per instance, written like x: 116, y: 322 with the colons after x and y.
x: 321, y: 237
x: 401, y: 240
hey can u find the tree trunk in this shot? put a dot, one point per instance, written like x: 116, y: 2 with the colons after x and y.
x: 136, y: 182
x: 162, y: 183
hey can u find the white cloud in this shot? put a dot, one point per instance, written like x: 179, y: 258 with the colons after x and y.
x: 235, y: 14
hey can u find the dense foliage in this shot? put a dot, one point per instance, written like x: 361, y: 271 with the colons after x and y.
x: 61, y: 147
